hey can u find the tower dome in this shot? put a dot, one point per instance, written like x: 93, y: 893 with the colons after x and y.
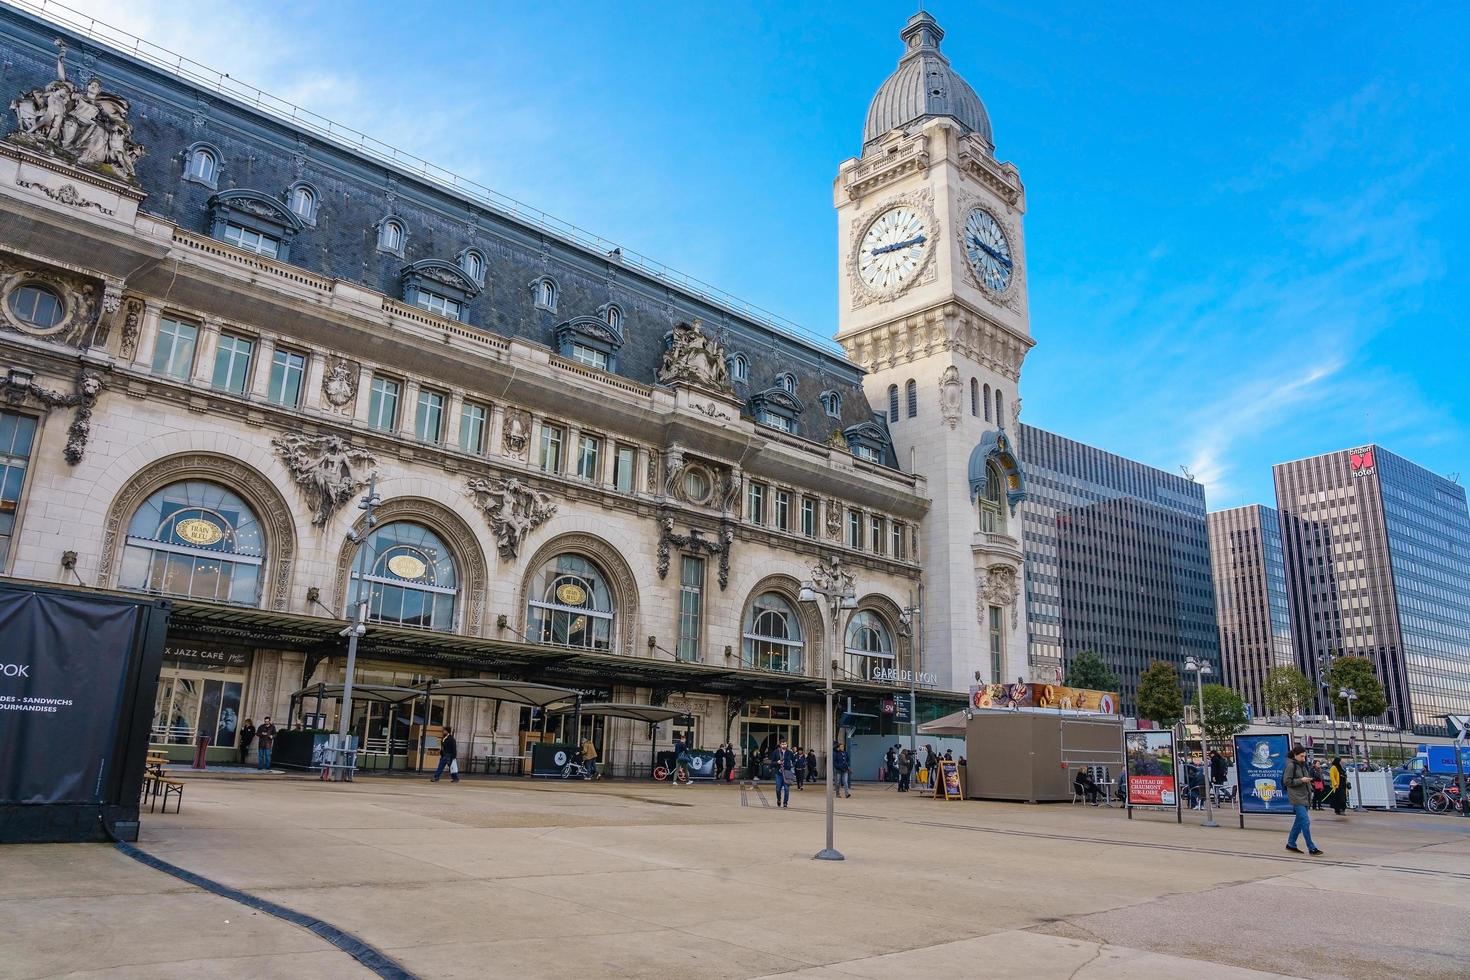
x: 924, y: 86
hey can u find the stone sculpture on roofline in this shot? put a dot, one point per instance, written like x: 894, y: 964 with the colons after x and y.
x: 85, y: 126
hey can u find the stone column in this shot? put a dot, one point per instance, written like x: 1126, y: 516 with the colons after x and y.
x: 408, y: 408
x: 204, y: 350
x: 147, y: 335
x: 311, y: 395
x: 265, y: 352
x: 452, y: 408
x: 494, y: 447
x: 364, y: 394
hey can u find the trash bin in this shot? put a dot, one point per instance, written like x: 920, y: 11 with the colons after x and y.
x: 201, y: 751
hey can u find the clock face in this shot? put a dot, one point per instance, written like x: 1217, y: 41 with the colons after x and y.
x: 987, y: 250
x: 892, y: 248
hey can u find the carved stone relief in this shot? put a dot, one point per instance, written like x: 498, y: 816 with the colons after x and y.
x: 516, y: 437
x: 81, y: 303
x: 950, y: 396
x: 132, y: 326
x: 86, y: 126
x: 998, y: 586
x: 833, y: 518
x: 20, y: 389
x: 339, y: 383
x: 693, y: 357
x: 328, y: 469
x: 512, y: 510
x: 694, y: 543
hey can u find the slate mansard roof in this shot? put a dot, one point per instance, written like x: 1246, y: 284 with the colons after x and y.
x: 355, y: 192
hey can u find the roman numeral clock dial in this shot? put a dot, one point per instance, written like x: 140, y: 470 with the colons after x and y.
x: 892, y: 249
x: 988, y: 251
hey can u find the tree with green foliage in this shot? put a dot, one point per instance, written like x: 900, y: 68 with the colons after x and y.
x: 1224, y: 714
x: 1088, y: 671
x: 1288, y: 692
x: 1357, y: 673
x: 1159, y: 696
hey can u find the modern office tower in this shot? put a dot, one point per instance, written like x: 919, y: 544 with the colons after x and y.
x: 1117, y: 561
x: 1251, y: 605
x: 1376, y: 553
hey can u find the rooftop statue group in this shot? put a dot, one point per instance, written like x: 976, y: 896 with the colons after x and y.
x: 86, y: 126
x: 693, y: 356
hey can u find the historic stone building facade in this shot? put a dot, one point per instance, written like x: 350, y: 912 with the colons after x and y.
x: 219, y: 329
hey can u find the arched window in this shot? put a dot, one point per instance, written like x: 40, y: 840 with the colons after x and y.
x: 37, y: 306
x: 544, y: 293
x: 739, y: 368
x: 614, y: 317
x: 203, y: 165
x: 1000, y: 408
x: 786, y: 381
x: 974, y: 398
x: 303, y: 201
x: 992, y: 501
x: 570, y: 605
x: 390, y: 236
x: 869, y: 644
x: 893, y: 403
x: 408, y: 577
x: 911, y: 395
x: 772, y: 636
x: 832, y: 404
x: 987, y: 403
x: 195, y: 539
x: 473, y: 264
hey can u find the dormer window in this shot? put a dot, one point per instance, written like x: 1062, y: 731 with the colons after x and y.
x: 253, y: 221
x: 739, y: 369
x: 472, y: 261
x: 591, y: 341
x: 832, y: 404
x: 543, y: 294
x: 440, y: 287
x: 868, y: 441
x: 776, y: 421
x: 612, y: 315
x: 202, y: 164
x: 776, y: 407
x: 786, y: 381
x: 390, y: 236
x: 301, y: 199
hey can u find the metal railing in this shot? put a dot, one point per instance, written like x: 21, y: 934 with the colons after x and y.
x: 408, y: 163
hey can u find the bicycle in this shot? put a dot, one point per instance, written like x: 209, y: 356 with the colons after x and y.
x: 679, y: 774
x: 575, y: 768
x: 1442, y: 802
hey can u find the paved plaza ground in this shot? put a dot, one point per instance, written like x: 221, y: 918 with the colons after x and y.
x: 541, y: 879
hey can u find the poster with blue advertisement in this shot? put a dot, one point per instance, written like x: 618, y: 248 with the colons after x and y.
x: 1259, y: 761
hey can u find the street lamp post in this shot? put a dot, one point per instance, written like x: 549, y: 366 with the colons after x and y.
x: 370, y: 500
x: 1200, y: 668
x: 911, y: 623
x: 1350, y: 696
x: 830, y: 581
x: 1324, y: 668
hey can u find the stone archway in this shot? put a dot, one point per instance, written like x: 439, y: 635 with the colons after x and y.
x: 258, y: 491
x: 812, y: 627
x: 605, y: 557
x: 443, y: 522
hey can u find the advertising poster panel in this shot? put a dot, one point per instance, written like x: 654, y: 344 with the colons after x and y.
x: 1259, y: 762
x: 1151, y: 780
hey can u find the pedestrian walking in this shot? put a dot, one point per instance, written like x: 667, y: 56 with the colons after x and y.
x: 811, y: 765
x: 781, y: 765
x: 265, y: 740
x: 1338, y: 796
x: 798, y: 766
x: 448, y: 757
x: 247, y: 735
x: 890, y: 765
x: 1297, y: 779
x: 589, y: 757
x: 842, y: 771
x: 905, y: 769
x: 1319, y: 783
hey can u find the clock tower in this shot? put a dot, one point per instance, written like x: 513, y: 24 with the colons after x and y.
x: 932, y: 302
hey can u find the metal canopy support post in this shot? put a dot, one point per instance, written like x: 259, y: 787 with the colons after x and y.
x: 424, y: 725
x: 369, y: 500
x: 321, y: 689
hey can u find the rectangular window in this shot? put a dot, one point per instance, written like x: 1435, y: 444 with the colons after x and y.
x: 428, y: 423
x: 252, y: 241
x: 434, y: 303
x: 809, y: 517
x: 232, y: 363
x: 624, y: 466
x: 288, y: 373
x: 589, y: 356
x: 552, y: 439
x: 777, y: 421
x: 589, y: 457
x: 383, y: 405
x: 866, y: 452
x: 895, y: 546
x: 472, y: 418
x: 997, y: 644
x: 854, y: 529
x: 173, y: 354
x: 17, y: 432
x: 691, y: 599
x: 755, y: 510
x: 875, y: 535
x: 783, y: 510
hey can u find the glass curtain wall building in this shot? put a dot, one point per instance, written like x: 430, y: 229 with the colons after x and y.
x: 1251, y: 604
x: 1378, y: 565
x: 1117, y: 561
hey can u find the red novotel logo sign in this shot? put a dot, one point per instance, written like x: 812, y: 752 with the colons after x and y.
x: 1361, y: 461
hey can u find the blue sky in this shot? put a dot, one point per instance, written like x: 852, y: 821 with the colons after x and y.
x: 1247, y: 231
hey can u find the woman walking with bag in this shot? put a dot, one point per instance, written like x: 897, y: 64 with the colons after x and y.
x: 1338, y: 797
x: 1297, y: 779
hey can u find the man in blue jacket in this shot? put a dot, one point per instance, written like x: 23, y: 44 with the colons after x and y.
x: 842, y: 769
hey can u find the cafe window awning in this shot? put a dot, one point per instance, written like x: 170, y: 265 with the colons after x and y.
x: 380, y: 693
x: 651, y: 713
x: 517, y: 692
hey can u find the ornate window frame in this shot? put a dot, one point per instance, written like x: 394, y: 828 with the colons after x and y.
x: 271, y: 511
x: 589, y: 331
x: 381, y: 226
x: 257, y: 212
x: 869, y: 435
x: 552, y: 292
x: 739, y: 366
x: 614, y: 567
x: 810, y: 619
x: 190, y: 152
x: 438, y: 277
x: 316, y: 200
x: 777, y: 401
x: 995, y: 447
x: 463, y: 259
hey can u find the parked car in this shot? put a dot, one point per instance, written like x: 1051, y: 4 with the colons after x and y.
x: 1406, y: 790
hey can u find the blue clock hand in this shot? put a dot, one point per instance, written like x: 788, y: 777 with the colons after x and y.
x: 884, y: 249
x: 991, y: 252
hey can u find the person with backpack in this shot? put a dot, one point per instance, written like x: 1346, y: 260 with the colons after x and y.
x: 1297, y: 779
